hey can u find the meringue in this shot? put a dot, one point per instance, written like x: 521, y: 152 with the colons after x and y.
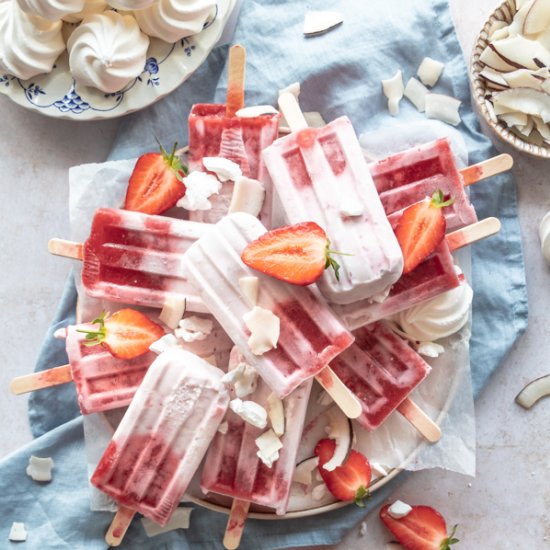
x: 90, y: 7
x: 172, y: 20
x: 107, y: 51
x: 131, y: 4
x: 29, y: 44
x: 439, y: 317
x: 54, y: 10
x: 544, y: 234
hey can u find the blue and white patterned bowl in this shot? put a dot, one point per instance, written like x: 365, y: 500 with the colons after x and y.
x: 57, y: 95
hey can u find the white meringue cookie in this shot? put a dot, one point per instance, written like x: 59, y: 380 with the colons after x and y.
x: 131, y: 4
x: 107, y: 51
x: 439, y: 317
x: 544, y: 234
x: 29, y: 44
x: 53, y: 10
x: 172, y: 20
x: 90, y: 7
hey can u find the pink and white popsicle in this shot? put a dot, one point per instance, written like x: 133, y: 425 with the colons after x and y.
x: 103, y: 382
x: 161, y: 439
x: 135, y: 258
x: 320, y: 175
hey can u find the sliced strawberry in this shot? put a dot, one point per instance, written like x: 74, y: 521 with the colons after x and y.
x: 156, y: 184
x: 348, y: 481
x: 421, y: 229
x: 297, y: 254
x: 423, y: 528
x: 126, y: 334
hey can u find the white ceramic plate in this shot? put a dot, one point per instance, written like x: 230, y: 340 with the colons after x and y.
x: 168, y: 65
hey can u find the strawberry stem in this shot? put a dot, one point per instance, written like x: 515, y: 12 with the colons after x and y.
x: 361, y: 495
x: 438, y: 200
x: 331, y: 262
x: 173, y: 161
x: 96, y: 337
x: 451, y: 539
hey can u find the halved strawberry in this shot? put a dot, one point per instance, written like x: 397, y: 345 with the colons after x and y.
x: 421, y: 229
x: 156, y: 184
x: 349, y: 481
x: 297, y: 254
x: 126, y: 334
x: 423, y: 528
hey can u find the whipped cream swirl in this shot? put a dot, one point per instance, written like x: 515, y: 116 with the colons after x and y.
x: 107, y: 51
x: 131, y: 4
x: 90, y: 7
x: 29, y: 44
x: 172, y: 20
x: 439, y: 317
x: 53, y: 10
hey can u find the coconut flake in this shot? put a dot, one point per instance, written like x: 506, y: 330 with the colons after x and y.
x: 18, y: 532
x: 429, y: 71
x: 224, y: 169
x: 443, y: 107
x: 430, y: 349
x: 303, y: 471
x: 194, y: 328
x: 250, y: 287
x: 180, y: 519
x: 40, y: 469
x: 269, y: 446
x: 223, y: 427
x: 248, y: 196
x: 351, y: 206
x: 264, y: 327
x: 276, y: 414
x: 250, y: 412
x: 319, y: 22
x: 399, y: 509
x: 172, y: 311
x: 416, y: 93
x: 164, y: 343
x: 533, y: 392
x: 524, y: 100
x: 198, y: 187
x: 393, y: 89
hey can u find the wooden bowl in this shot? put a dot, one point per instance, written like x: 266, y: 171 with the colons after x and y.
x: 505, y: 12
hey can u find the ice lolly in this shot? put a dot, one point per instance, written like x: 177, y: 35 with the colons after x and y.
x: 103, y: 382
x: 216, y: 130
x: 162, y: 438
x: 436, y: 274
x: 135, y: 258
x: 381, y: 369
x: 320, y: 175
x: 310, y: 334
x: 232, y: 467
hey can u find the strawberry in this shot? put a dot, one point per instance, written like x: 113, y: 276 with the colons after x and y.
x: 423, y: 528
x: 421, y: 229
x: 156, y: 184
x: 297, y: 254
x: 348, y: 481
x: 126, y: 334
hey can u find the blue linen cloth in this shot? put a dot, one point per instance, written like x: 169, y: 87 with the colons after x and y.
x: 340, y: 74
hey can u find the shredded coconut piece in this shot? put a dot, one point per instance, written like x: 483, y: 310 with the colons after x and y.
x: 224, y: 169
x: 199, y: 186
x: 17, y: 532
x: 443, y: 107
x: 180, y: 520
x: 40, y: 469
x: 163, y: 344
x: 248, y: 196
x: 223, y: 427
x: 429, y: 71
x: 269, y: 446
x: 250, y: 287
x: 416, y: 93
x: 393, y: 90
x: 264, y: 327
x: 319, y: 22
x: 250, y: 412
x: 194, y: 328
x: 172, y: 311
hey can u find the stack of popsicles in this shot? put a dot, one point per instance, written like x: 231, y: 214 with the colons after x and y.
x: 320, y: 175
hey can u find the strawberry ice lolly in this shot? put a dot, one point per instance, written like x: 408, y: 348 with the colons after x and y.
x: 135, y: 258
x: 412, y: 175
x: 382, y: 370
x: 163, y: 437
x: 103, y: 382
x: 320, y: 175
x: 232, y: 466
x: 310, y: 334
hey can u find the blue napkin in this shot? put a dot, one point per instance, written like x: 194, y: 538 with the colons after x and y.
x: 340, y: 74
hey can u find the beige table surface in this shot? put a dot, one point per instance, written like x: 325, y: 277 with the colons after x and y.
x: 507, y: 505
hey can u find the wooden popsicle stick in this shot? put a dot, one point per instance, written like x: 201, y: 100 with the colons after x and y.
x: 235, y: 524
x: 291, y: 110
x: 420, y: 420
x: 119, y: 526
x: 342, y: 395
x: 235, y: 80
x: 39, y: 380
x: 486, y: 169
x: 67, y: 249
x: 473, y: 233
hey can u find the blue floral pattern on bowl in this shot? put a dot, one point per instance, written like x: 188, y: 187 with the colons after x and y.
x: 167, y: 66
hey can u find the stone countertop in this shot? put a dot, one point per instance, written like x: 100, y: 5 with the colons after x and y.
x: 506, y: 506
